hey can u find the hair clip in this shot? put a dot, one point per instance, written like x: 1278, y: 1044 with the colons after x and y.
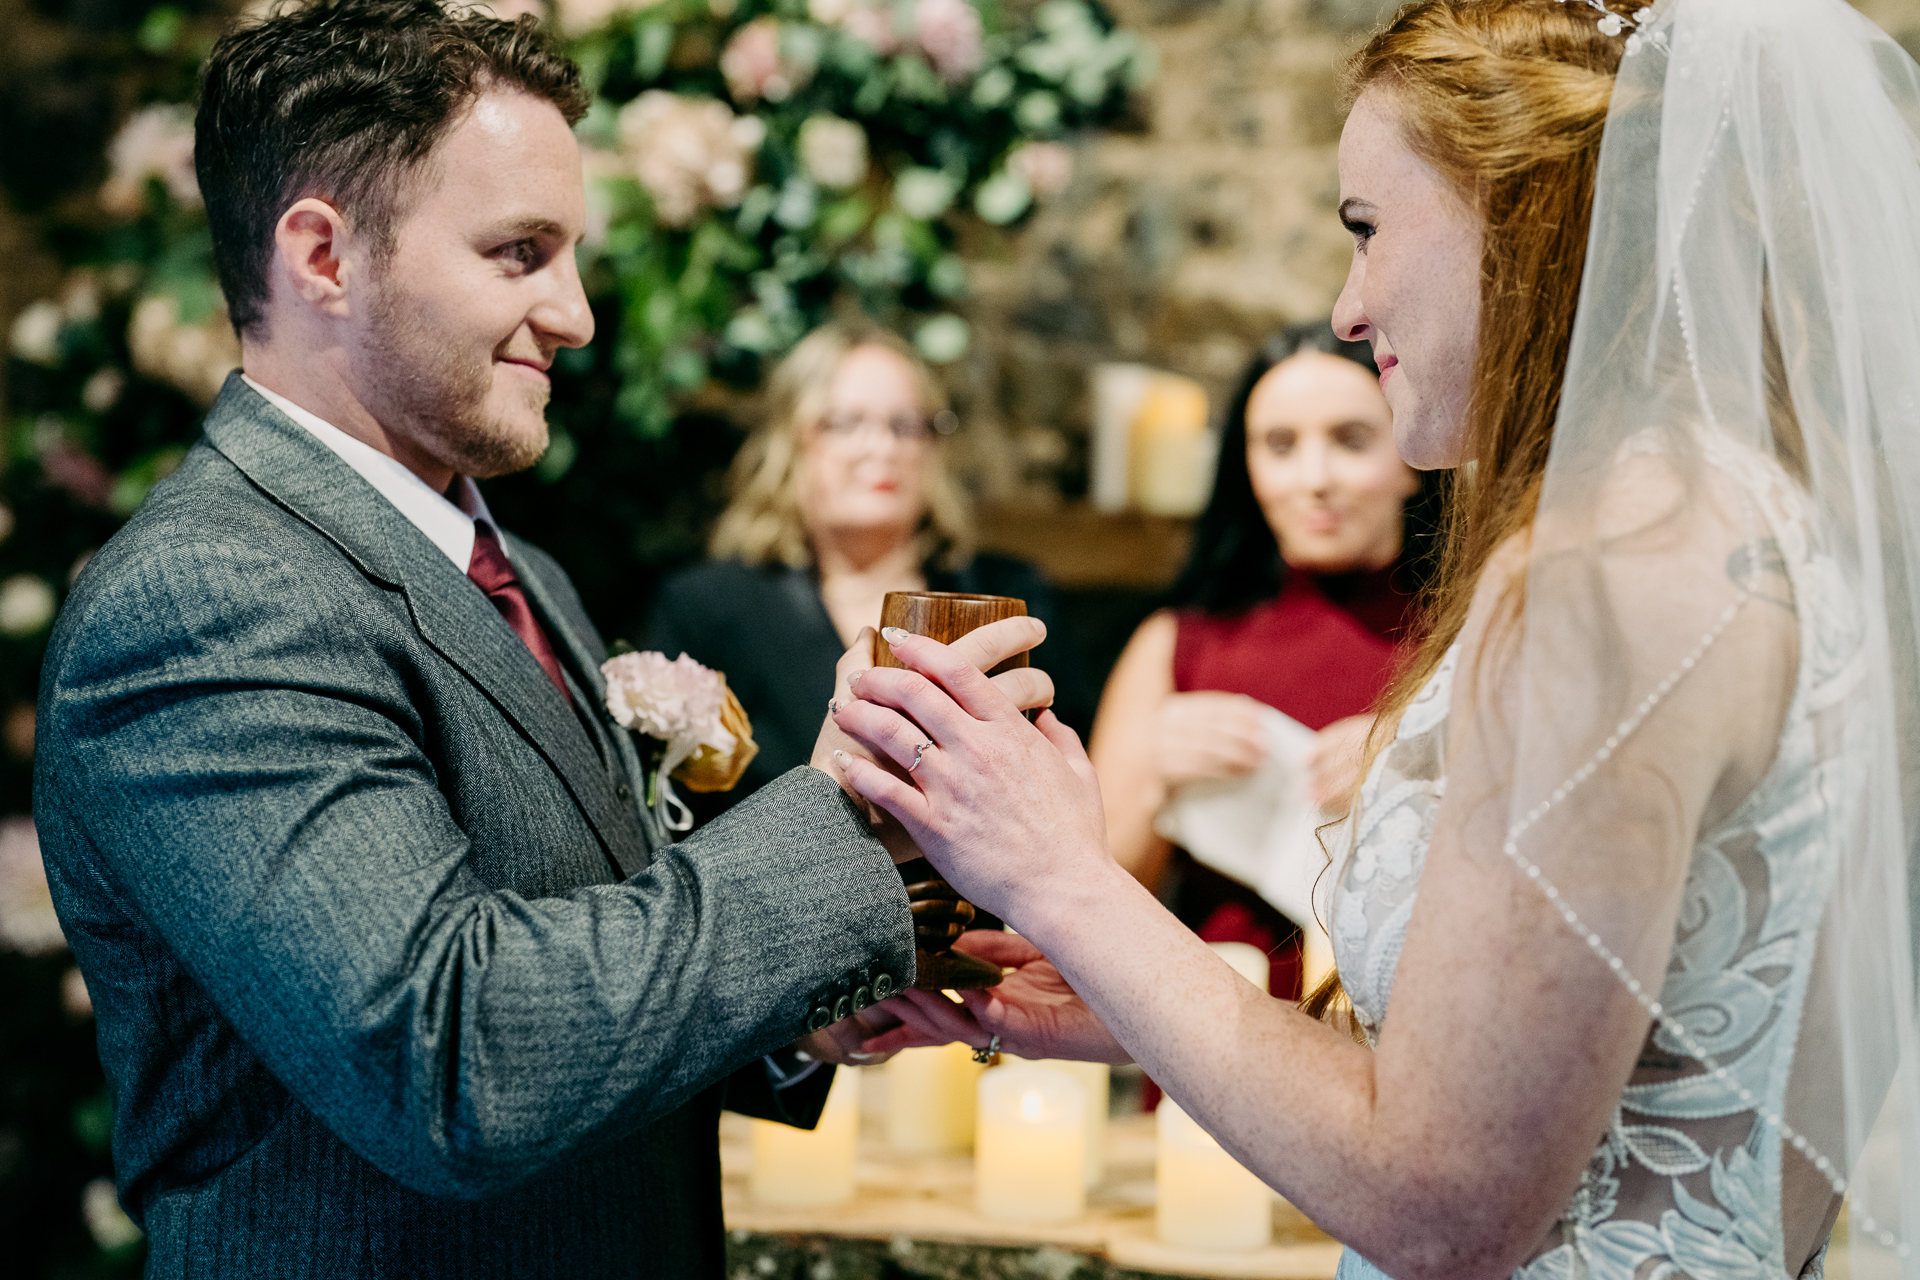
x: 1611, y: 23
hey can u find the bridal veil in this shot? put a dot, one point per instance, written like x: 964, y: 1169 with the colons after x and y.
x: 1728, y: 536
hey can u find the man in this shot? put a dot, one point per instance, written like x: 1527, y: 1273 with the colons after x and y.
x: 392, y: 976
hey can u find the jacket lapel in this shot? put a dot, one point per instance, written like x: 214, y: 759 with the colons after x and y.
x: 451, y: 613
x: 583, y: 661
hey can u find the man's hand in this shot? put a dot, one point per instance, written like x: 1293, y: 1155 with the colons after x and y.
x: 986, y: 648
x: 1033, y: 1010
x: 843, y: 1043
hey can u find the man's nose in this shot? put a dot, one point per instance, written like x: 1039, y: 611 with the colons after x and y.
x: 564, y: 316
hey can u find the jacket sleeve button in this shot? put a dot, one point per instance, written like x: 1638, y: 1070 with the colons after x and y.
x: 882, y: 986
x: 842, y: 1008
x: 862, y: 998
x: 819, y: 1018
x: 625, y: 792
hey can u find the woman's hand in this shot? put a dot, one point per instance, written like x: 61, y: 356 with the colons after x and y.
x: 1002, y: 807
x: 1333, y: 771
x: 1201, y: 737
x: 985, y: 647
x: 1033, y: 1010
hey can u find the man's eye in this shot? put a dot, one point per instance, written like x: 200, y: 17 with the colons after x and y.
x: 522, y: 253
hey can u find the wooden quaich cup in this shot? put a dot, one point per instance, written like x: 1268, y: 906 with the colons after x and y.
x: 940, y: 914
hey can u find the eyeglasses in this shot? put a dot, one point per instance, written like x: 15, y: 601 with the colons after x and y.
x: 906, y: 428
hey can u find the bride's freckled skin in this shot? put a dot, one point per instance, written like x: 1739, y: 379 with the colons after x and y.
x: 1413, y: 290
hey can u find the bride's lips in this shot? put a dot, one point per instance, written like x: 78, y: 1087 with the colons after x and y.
x: 1387, y: 365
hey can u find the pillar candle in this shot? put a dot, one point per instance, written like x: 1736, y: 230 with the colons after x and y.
x: 797, y: 1167
x: 1171, y: 451
x: 1206, y: 1199
x: 1249, y: 961
x: 1030, y: 1145
x: 930, y: 1099
x: 1097, y: 1079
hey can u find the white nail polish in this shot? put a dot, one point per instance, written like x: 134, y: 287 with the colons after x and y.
x: 894, y: 635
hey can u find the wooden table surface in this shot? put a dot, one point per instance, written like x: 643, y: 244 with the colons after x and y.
x: 906, y: 1199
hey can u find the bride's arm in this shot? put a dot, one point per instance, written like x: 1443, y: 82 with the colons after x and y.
x: 1452, y: 1149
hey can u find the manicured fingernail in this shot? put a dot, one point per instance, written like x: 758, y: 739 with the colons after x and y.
x: 801, y: 1055
x: 833, y: 705
x: 842, y: 759
x: 853, y: 681
x: 894, y: 635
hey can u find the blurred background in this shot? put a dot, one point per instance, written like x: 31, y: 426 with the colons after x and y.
x: 1086, y: 216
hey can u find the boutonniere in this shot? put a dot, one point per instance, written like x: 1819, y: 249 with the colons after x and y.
x: 699, y: 732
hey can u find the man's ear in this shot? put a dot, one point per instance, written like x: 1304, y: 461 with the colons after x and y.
x: 310, y: 247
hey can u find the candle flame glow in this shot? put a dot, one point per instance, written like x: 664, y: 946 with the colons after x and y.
x: 1032, y: 1106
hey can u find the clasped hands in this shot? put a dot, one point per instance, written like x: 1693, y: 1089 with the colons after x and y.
x: 949, y: 767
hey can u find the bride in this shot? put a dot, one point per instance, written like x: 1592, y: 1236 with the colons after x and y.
x: 1622, y: 907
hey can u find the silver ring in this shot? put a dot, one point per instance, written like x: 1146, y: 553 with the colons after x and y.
x: 986, y: 1052
x: 917, y: 753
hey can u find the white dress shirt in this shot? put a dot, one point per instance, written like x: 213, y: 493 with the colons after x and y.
x: 447, y: 526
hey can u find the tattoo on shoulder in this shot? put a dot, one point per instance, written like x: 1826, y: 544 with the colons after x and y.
x: 1754, y: 564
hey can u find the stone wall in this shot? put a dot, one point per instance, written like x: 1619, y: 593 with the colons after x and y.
x: 1185, y: 243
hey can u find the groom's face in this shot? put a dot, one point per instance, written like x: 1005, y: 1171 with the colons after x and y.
x: 480, y: 290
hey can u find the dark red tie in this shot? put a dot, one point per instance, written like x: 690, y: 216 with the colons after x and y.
x: 493, y: 573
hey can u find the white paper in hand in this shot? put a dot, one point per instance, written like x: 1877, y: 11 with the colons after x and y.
x: 1260, y: 829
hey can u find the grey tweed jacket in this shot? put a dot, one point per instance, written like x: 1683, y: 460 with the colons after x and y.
x: 391, y: 976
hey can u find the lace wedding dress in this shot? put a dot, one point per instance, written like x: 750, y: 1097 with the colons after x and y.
x: 1687, y: 1180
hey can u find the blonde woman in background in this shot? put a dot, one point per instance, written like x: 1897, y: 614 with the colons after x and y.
x: 840, y: 495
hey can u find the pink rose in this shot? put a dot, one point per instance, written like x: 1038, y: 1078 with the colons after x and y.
x: 872, y: 25
x: 949, y: 32
x: 155, y: 142
x: 1047, y: 166
x: 754, y: 67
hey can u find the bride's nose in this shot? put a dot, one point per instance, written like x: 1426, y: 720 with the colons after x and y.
x: 1350, y: 322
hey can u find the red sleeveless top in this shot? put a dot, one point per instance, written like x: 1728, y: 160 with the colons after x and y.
x: 1321, y: 650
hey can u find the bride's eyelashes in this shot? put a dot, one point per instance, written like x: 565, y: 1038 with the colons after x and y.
x: 1361, y: 232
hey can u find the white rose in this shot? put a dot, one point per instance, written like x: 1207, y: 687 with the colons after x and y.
x: 833, y: 152
x: 923, y: 193
x: 35, y: 337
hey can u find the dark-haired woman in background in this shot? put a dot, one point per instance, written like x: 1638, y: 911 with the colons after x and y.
x: 1299, y: 594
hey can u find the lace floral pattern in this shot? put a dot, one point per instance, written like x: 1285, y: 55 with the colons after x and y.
x: 1687, y: 1180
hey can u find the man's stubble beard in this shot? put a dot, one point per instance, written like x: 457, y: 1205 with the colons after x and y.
x: 437, y: 396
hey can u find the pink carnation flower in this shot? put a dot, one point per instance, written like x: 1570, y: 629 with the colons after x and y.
x: 678, y: 702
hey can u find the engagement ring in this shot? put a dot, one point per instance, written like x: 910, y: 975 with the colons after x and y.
x: 917, y: 753
x: 987, y: 1051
